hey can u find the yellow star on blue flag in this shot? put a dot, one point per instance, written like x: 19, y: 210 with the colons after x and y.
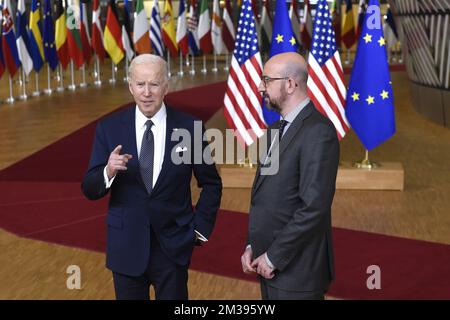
x: 282, y: 36
x: 373, y: 117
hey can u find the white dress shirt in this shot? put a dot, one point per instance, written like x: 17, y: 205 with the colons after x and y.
x: 159, y: 133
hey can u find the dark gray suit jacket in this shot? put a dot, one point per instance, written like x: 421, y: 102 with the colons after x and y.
x: 290, y: 213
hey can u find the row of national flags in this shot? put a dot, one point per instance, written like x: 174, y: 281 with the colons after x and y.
x: 67, y: 36
x: 366, y: 105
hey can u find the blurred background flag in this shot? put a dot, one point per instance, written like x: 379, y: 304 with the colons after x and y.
x: 216, y: 29
x: 84, y: 32
x: 295, y: 19
x: 127, y: 31
x: 97, y: 31
x: 228, y: 32
x: 361, y: 13
x: 265, y: 28
x: 390, y: 30
x: 192, y: 25
x: 337, y: 21
x: 204, y: 28
x: 348, y: 29
x: 169, y: 37
x: 9, y: 47
x: 182, y: 37
x: 22, y: 41
x: 155, y: 30
x: 49, y: 37
x: 326, y: 87
x: 62, y: 46
x: 307, y: 26
x: 370, y: 105
x: 2, y: 65
x: 35, y: 36
x: 74, y: 33
x: 112, y: 39
x: 141, y: 37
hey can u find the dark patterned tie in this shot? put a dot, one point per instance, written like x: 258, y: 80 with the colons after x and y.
x: 281, y: 127
x: 146, y: 156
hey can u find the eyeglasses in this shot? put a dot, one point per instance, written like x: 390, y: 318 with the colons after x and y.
x: 267, y: 79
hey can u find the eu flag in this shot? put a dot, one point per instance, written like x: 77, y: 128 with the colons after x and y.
x: 370, y: 105
x: 283, y: 40
x: 49, y: 37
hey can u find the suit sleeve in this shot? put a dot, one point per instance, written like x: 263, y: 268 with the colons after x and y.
x: 211, y: 184
x: 93, y: 185
x: 318, y: 165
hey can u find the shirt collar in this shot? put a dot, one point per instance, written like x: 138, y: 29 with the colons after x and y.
x: 290, y: 117
x: 157, y: 119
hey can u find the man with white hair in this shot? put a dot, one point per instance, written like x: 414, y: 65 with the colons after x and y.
x: 152, y: 225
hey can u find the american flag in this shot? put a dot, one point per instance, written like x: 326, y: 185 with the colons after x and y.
x: 326, y: 86
x: 242, y: 102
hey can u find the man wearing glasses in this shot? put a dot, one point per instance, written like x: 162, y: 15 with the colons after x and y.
x: 290, y: 242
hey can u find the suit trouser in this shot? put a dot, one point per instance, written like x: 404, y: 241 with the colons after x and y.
x: 271, y: 293
x: 168, y: 279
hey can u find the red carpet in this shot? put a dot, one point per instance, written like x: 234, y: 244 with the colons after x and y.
x: 45, y: 203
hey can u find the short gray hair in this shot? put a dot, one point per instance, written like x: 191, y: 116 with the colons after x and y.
x: 149, y: 58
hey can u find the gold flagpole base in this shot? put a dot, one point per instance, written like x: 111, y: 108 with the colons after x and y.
x: 366, y: 164
x: 246, y: 163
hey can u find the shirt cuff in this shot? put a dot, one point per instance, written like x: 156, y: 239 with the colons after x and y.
x: 268, y: 261
x: 199, y: 236
x: 108, y: 182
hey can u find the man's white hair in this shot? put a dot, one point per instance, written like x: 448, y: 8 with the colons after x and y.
x: 149, y: 58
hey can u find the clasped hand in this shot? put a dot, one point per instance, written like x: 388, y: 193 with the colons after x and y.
x: 258, y: 265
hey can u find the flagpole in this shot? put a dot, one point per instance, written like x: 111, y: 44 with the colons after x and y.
x: 192, y: 71
x: 10, y: 99
x: 214, y: 69
x: 113, y: 73
x: 347, y: 58
x: 125, y: 79
x: 24, y: 90
x: 48, y: 91
x: 72, y: 86
x: 181, y: 73
x: 60, y: 87
x: 226, y: 68
x: 168, y: 63
x: 36, y: 93
x: 83, y: 76
x: 366, y: 164
x: 204, y: 65
x: 98, y: 81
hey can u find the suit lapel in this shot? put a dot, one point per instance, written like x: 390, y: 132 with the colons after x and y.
x: 287, y: 139
x: 167, y: 163
x: 258, y: 177
x: 295, y: 127
x: 129, y: 136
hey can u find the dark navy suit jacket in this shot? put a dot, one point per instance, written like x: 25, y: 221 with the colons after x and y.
x: 168, y: 210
